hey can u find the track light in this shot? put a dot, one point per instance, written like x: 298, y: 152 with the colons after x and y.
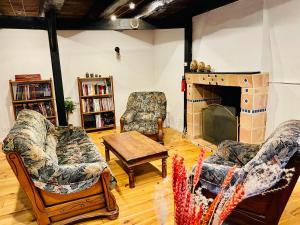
x: 131, y: 5
x: 113, y: 17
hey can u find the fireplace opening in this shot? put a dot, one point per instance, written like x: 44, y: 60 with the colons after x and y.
x: 220, y: 120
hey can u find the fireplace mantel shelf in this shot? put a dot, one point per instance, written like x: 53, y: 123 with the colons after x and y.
x: 253, y: 102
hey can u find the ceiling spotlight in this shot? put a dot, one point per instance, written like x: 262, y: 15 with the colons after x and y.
x: 131, y: 5
x: 113, y: 17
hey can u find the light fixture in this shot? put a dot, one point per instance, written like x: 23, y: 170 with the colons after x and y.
x: 131, y: 5
x: 113, y: 17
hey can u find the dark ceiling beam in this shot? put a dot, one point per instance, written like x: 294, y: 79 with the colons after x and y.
x: 104, y: 24
x: 184, y: 15
x: 40, y: 23
x: 113, y: 8
x: 205, y: 6
x: 46, y: 5
x: 23, y: 22
x: 139, y: 8
x: 98, y: 7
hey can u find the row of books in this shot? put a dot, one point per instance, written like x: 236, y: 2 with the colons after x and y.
x: 96, y: 87
x: 31, y: 91
x: 99, y: 120
x: 44, y: 108
x: 97, y: 104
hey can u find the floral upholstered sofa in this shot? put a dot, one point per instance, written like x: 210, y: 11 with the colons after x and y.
x: 58, y: 159
x: 261, y: 169
x: 145, y: 113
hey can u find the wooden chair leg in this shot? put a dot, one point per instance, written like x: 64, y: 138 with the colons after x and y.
x: 160, y: 135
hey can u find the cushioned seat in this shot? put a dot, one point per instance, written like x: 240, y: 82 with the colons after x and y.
x: 144, y: 127
x: 145, y: 113
x: 274, y: 154
x: 59, y: 160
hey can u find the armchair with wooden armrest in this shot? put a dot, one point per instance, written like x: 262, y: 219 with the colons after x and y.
x: 145, y: 113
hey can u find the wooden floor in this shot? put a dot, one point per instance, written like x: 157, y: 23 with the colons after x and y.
x: 136, y: 205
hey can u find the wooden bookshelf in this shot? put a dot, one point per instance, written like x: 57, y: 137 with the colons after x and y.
x: 97, y: 105
x: 37, y: 95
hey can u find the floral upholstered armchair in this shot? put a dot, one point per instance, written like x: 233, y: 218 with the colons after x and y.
x: 145, y: 113
x: 55, y: 165
x: 262, y: 169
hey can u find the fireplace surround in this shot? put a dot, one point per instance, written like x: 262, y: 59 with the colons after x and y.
x: 252, y: 109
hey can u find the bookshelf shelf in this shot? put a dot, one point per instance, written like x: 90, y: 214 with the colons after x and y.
x: 96, y: 98
x: 100, y: 128
x: 36, y: 95
x: 90, y: 113
x: 33, y: 100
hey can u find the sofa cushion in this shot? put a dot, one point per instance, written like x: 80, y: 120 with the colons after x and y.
x: 148, y: 102
x: 59, y: 160
x: 74, y: 146
x: 237, y: 152
x: 145, y: 127
x: 145, y: 116
x: 214, y: 171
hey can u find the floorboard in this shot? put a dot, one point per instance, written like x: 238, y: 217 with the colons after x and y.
x: 136, y: 205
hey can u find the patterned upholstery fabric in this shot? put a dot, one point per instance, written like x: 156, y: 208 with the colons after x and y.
x: 59, y: 160
x: 269, y: 159
x: 142, y: 111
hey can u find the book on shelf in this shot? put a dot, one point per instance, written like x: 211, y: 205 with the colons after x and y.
x: 97, y: 104
x: 45, y: 108
x: 96, y: 87
x: 31, y: 91
x: 27, y: 77
x: 99, y: 121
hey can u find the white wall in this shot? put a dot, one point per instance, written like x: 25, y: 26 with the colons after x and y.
x: 150, y: 60
x: 93, y: 52
x: 256, y: 35
x: 21, y: 51
x: 168, y: 71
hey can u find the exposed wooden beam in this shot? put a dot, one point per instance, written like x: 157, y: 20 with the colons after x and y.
x: 98, y: 7
x: 139, y: 8
x: 23, y: 22
x: 104, y: 24
x: 47, y: 5
x: 113, y: 8
x: 57, y: 78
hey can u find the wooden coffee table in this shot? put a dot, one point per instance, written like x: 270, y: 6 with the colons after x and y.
x: 133, y: 149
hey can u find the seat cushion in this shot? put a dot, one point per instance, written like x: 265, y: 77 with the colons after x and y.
x: 144, y: 127
x: 75, y: 147
x: 214, y: 171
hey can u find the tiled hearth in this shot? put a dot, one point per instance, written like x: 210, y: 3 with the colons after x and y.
x: 253, y: 102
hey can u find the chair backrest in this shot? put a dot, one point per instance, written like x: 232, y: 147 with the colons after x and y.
x: 148, y: 102
x: 32, y: 137
x: 281, y: 145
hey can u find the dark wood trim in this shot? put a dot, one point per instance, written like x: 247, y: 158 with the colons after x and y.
x: 103, y: 24
x: 41, y: 23
x: 57, y: 77
x: 97, y: 8
x: 188, y: 45
x: 52, y: 208
x: 23, y: 22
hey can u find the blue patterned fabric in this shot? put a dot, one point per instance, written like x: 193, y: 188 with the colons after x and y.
x: 58, y: 159
x: 262, y: 163
x: 143, y: 110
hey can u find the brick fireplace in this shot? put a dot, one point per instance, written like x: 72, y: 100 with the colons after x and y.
x: 252, y: 105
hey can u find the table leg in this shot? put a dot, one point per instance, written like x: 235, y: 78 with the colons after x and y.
x: 164, y: 167
x: 107, y: 157
x: 131, y: 177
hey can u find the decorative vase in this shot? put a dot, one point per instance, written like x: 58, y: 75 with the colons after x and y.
x: 193, y: 66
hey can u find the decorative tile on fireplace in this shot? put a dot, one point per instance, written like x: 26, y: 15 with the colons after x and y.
x: 204, y: 90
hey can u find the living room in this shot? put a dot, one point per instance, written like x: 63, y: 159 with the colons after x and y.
x: 191, y: 62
